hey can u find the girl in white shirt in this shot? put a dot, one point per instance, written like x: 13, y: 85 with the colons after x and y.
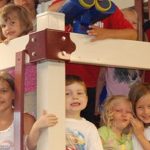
x: 140, y: 97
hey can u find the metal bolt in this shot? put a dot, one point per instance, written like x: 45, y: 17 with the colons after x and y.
x: 63, y: 38
x: 33, y: 54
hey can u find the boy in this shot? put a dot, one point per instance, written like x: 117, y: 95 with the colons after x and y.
x: 80, y: 133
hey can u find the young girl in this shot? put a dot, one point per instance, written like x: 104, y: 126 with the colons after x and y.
x: 140, y: 97
x: 80, y: 133
x: 115, y: 133
x: 7, y: 98
x: 15, y: 21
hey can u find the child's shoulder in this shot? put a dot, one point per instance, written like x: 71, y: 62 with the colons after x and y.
x: 88, y: 122
x: 28, y: 122
x: 104, y: 128
x: 82, y: 121
x: 28, y: 117
x: 105, y: 132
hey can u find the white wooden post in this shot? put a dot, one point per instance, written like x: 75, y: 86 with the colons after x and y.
x: 51, y: 97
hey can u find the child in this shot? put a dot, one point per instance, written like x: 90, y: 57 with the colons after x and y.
x: 140, y: 97
x: 7, y: 98
x: 80, y: 133
x: 116, y: 116
x: 15, y: 21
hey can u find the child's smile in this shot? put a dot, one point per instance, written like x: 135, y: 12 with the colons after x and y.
x: 76, y: 98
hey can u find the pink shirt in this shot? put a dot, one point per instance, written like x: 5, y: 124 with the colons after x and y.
x: 30, y: 77
x: 116, y: 87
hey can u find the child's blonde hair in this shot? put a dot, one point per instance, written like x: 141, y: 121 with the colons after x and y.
x: 22, y: 14
x: 110, y: 103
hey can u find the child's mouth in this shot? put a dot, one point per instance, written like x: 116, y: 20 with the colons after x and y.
x: 75, y: 104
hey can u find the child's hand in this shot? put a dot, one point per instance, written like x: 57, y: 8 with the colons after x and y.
x: 46, y: 120
x: 138, y: 127
x: 99, y: 33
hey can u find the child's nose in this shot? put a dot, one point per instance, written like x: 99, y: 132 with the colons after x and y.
x: 75, y: 96
x: 124, y: 113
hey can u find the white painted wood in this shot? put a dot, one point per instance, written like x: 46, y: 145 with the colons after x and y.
x: 51, y: 97
x: 52, y: 20
x: 123, y: 53
x: 8, y: 52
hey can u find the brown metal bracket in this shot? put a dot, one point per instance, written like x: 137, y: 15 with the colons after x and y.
x: 50, y: 44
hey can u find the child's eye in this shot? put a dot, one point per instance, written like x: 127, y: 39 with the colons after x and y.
x: 139, y: 107
x: 67, y: 93
x: 80, y: 93
x: 3, y: 91
x: 13, y: 22
x: 118, y: 110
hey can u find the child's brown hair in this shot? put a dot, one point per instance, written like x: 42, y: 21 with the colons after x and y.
x: 70, y: 79
x: 137, y: 91
x: 5, y: 76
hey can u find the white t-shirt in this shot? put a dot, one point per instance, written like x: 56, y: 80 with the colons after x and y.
x: 7, y: 138
x: 136, y: 144
x: 82, y: 135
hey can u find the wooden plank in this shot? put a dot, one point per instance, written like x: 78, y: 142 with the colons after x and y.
x: 121, y: 53
x: 8, y: 52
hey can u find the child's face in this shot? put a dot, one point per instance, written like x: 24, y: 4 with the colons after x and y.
x: 121, y: 115
x: 131, y: 17
x: 76, y: 98
x: 6, y: 96
x: 143, y: 108
x: 12, y: 27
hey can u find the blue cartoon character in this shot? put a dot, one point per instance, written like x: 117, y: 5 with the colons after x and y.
x: 82, y: 13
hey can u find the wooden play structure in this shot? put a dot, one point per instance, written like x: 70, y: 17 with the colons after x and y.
x: 50, y: 48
